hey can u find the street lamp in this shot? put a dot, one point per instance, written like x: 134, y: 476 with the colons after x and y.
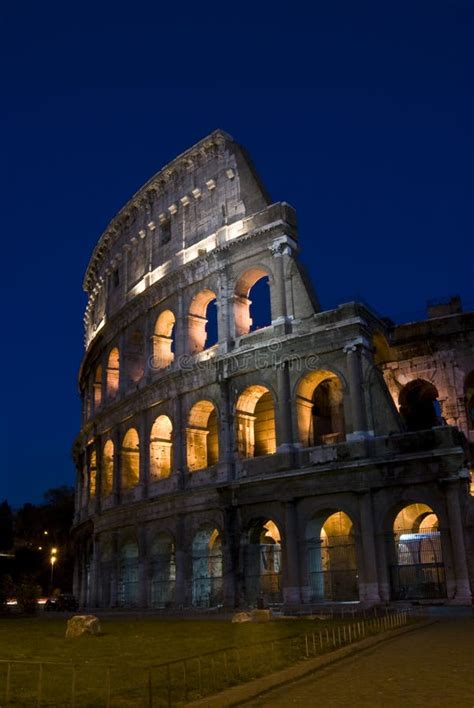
x: 52, y: 559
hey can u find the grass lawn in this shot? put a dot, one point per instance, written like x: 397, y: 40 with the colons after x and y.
x: 120, y: 656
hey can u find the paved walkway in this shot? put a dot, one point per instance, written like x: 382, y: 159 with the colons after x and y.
x: 430, y: 667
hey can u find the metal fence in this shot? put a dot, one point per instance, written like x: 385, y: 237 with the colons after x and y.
x: 28, y: 683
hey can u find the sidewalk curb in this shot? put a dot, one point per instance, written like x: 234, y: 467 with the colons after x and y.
x: 237, y: 695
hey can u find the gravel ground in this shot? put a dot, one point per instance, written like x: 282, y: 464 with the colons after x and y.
x: 433, y: 666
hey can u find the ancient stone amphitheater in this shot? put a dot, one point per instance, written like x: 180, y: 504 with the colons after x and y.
x: 320, y: 457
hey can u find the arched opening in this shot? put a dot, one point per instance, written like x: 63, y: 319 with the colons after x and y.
x: 207, y: 568
x: 163, y: 340
x: 417, y: 570
x: 262, y: 564
x: 320, y: 409
x: 255, y: 421
x: 127, y: 586
x: 92, y: 476
x: 130, y: 459
x: 161, y: 448
x: 135, y: 357
x: 107, y: 468
x: 97, y: 387
x: 252, y: 306
x: 113, y: 373
x: 331, y: 558
x: 163, y: 571
x: 202, y: 322
x: 419, y: 405
x: 107, y: 570
x: 202, y: 440
x: 469, y: 397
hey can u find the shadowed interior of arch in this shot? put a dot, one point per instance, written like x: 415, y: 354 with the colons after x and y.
x: 419, y: 405
x: 255, y: 422
x: 202, y: 322
x: 320, y: 409
x: 202, y: 442
x: 252, y: 306
x: 162, y: 570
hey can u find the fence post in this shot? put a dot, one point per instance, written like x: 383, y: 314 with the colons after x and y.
x: 306, y: 644
x: 350, y: 634
x: 321, y: 639
x: 314, y: 644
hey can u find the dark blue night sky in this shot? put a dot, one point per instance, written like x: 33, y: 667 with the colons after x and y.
x: 358, y: 114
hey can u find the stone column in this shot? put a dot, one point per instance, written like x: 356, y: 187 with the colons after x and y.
x: 283, y: 414
x: 226, y: 431
x: 225, y: 312
x: 98, y: 475
x: 122, y: 366
x: 95, y: 570
x: 143, y: 567
x: 230, y: 557
x: 180, y: 332
x: 117, y: 440
x: 181, y: 562
x: 279, y: 300
x: 291, y: 589
x: 179, y: 442
x: 144, y: 467
x: 355, y: 376
x: 463, y: 591
x: 369, y: 587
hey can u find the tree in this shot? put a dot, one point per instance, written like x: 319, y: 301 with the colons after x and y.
x: 6, y: 527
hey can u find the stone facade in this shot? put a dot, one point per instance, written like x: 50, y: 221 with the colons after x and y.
x: 321, y: 458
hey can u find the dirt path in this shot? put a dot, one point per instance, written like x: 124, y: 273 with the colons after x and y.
x: 430, y: 667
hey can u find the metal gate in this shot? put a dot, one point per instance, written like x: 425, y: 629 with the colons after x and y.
x: 332, y: 569
x: 207, y: 579
x: 127, y: 590
x: 419, y: 573
x: 262, y: 563
x: 163, y: 580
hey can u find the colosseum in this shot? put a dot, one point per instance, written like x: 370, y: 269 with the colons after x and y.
x: 322, y: 456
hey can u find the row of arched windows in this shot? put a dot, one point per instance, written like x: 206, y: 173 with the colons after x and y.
x: 414, y: 553
x: 201, y: 328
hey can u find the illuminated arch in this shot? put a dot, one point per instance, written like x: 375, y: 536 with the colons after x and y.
x: 255, y: 422
x: 242, y: 301
x: 92, y: 476
x: 113, y: 373
x: 163, y: 340
x: 107, y: 468
x: 198, y: 321
x: 97, y: 385
x: 130, y: 459
x: 161, y: 448
x: 331, y: 558
x: 320, y: 409
x: 417, y: 568
x: 202, y: 436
